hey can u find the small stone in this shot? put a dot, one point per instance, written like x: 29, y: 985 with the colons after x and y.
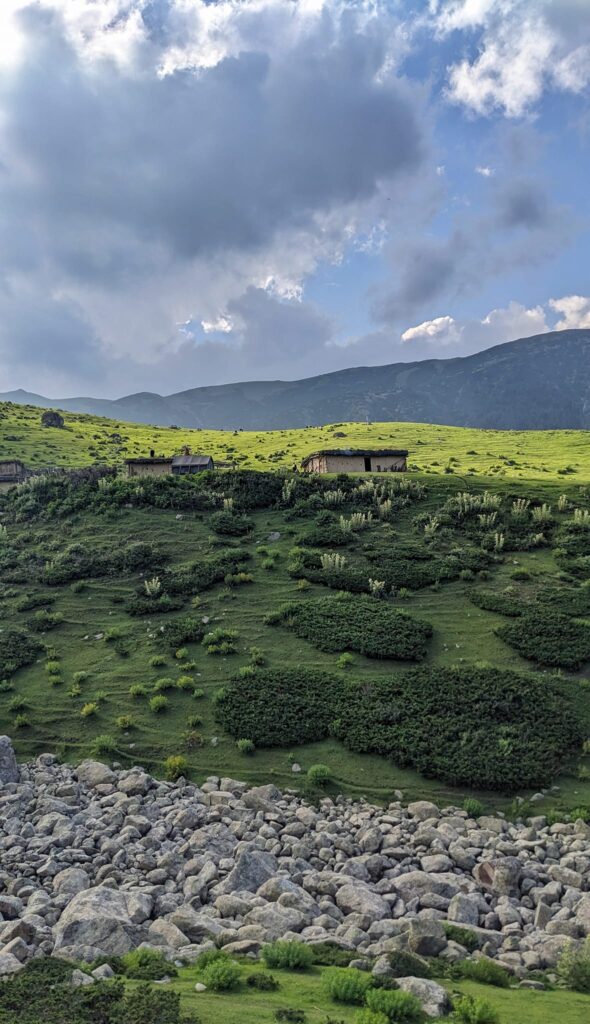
x: 199, y: 987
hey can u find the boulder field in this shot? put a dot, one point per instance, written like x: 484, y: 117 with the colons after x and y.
x: 95, y: 862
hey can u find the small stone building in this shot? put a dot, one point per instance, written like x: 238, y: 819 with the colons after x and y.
x: 164, y: 465
x: 360, y: 460
x: 12, y: 472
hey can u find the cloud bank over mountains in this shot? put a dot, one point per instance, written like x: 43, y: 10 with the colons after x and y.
x: 187, y: 188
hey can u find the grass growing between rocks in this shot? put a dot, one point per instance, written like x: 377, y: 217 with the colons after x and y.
x: 305, y: 991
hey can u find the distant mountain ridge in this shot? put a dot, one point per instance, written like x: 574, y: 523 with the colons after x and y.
x: 535, y: 383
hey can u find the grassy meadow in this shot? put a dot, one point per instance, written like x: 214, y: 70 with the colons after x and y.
x: 515, y: 455
x: 89, y: 689
x: 304, y: 991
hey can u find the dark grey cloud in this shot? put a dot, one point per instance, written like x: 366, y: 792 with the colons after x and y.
x: 200, y: 162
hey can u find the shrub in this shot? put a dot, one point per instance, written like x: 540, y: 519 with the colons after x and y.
x: 80, y: 677
x: 279, y: 707
x: 185, y: 683
x: 89, y: 709
x: 21, y: 722
x: 485, y: 971
x: 472, y: 807
x: 221, y: 975
x: 221, y: 641
x: 194, y: 721
x: 182, y: 630
x: 491, y: 602
x: 164, y: 683
x: 53, y: 668
x: 399, y: 1007
x: 471, y: 1010
x: 138, y: 690
x: 125, y: 722
x: 104, y: 745
x: 147, y: 1005
x: 486, y: 728
x: 289, y: 956
x: 345, y: 660
x: 17, y: 649
x: 290, y: 1015
x: 158, y: 703
x: 361, y: 624
x: 405, y: 964
x: 463, y: 936
x: 574, y: 967
x: 346, y: 985
x: 318, y: 775
x: 229, y: 524
x: 176, y: 766
x: 181, y: 654
x: 263, y: 982
x: 146, y: 965
x: 246, y: 746
x: 157, y: 661
x: 550, y: 638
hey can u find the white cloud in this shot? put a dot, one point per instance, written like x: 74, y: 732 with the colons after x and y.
x: 222, y: 324
x: 575, y: 311
x: 499, y: 325
x: 485, y: 172
x: 523, y: 47
x: 443, y: 329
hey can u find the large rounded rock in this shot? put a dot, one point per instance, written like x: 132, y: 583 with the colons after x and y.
x: 94, y: 773
x: 359, y: 899
x: 8, y: 767
x: 253, y: 869
x: 105, y: 919
x: 71, y: 881
x: 434, y: 998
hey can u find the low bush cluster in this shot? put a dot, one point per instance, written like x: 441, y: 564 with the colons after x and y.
x: 549, y: 638
x: 485, y: 728
x: 17, y: 649
x: 359, y: 624
x: 493, y: 602
x: 279, y: 707
x: 288, y: 956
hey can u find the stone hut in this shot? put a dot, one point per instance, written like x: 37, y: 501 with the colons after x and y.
x: 357, y: 460
x: 12, y: 472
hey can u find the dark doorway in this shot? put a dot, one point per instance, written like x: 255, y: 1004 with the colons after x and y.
x: 367, y: 465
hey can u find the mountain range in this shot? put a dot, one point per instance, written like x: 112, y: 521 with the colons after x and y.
x: 541, y: 382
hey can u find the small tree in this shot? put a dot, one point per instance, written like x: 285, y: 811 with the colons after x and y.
x: 51, y: 419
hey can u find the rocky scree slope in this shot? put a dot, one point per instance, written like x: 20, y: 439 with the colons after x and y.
x: 95, y: 862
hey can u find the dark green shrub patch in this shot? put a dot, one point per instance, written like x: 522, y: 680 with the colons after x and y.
x: 30, y: 601
x: 326, y: 532
x: 196, y: 576
x: 158, y: 604
x: 573, y: 601
x: 479, y: 727
x: 347, y: 985
x: 17, y: 648
x: 287, y: 956
x: 405, y: 964
x: 263, y: 982
x: 362, y: 624
x: 463, y: 936
x: 399, y: 1007
x: 230, y: 524
x: 278, y: 707
x: 485, y: 971
x: 183, y: 630
x: 146, y: 965
x: 492, y: 602
x: 80, y: 561
x: 549, y: 638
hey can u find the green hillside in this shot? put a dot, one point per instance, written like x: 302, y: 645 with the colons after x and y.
x: 86, y: 440
x: 98, y: 659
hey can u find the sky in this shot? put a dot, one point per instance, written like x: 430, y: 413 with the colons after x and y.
x: 197, y: 192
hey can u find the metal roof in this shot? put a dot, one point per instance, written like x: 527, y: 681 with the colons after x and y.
x: 191, y: 460
x: 156, y: 458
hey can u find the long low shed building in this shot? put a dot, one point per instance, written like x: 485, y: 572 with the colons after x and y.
x: 357, y: 460
x: 160, y: 465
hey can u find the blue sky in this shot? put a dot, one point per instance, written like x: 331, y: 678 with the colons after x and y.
x: 196, y: 192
